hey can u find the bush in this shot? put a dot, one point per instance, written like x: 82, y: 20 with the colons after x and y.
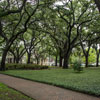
x: 25, y: 66
x: 91, y: 65
x: 77, y: 65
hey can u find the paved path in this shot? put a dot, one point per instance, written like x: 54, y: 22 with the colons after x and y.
x: 41, y: 91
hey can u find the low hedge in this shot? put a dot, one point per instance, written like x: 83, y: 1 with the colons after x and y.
x: 25, y: 66
x: 91, y: 65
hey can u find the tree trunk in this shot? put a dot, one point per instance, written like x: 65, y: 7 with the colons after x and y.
x: 5, y: 51
x: 17, y: 60
x: 66, y: 61
x: 97, y: 61
x: 56, y: 61
x: 65, y: 65
x: 98, y: 4
x: 14, y: 59
x: 37, y: 61
x: 41, y: 61
x: 29, y: 59
x: 60, y: 60
x: 3, y: 60
x: 86, y: 60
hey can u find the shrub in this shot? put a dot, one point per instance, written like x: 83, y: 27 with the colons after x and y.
x: 25, y: 66
x: 91, y: 65
x: 77, y: 65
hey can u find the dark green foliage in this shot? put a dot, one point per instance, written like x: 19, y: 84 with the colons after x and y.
x: 25, y: 66
x: 77, y: 65
x: 91, y: 65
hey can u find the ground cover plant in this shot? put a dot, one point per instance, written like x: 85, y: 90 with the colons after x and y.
x: 10, y: 94
x: 87, y: 81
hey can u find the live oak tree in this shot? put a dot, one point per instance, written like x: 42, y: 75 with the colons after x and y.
x: 31, y: 40
x: 51, y: 50
x: 74, y: 20
x: 96, y: 45
x: 86, y: 48
x: 40, y: 54
x: 44, y: 49
x: 71, y: 15
x: 90, y: 42
x: 14, y: 25
x: 50, y: 25
x: 90, y: 35
x: 17, y: 50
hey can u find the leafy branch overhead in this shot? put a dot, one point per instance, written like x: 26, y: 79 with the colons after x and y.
x: 54, y: 29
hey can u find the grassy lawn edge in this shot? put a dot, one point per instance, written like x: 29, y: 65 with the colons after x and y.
x: 61, y: 86
x: 17, y: 91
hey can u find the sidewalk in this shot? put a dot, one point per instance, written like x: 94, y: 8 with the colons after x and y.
x: 40, y: 91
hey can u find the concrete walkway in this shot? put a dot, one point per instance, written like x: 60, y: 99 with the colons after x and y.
x: 41, y: 91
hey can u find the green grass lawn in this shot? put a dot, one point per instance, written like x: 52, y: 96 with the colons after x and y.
x: 10, y: 94
x: 87, y: 81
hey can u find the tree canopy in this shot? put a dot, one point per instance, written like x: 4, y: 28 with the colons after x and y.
x: 45, y: 28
